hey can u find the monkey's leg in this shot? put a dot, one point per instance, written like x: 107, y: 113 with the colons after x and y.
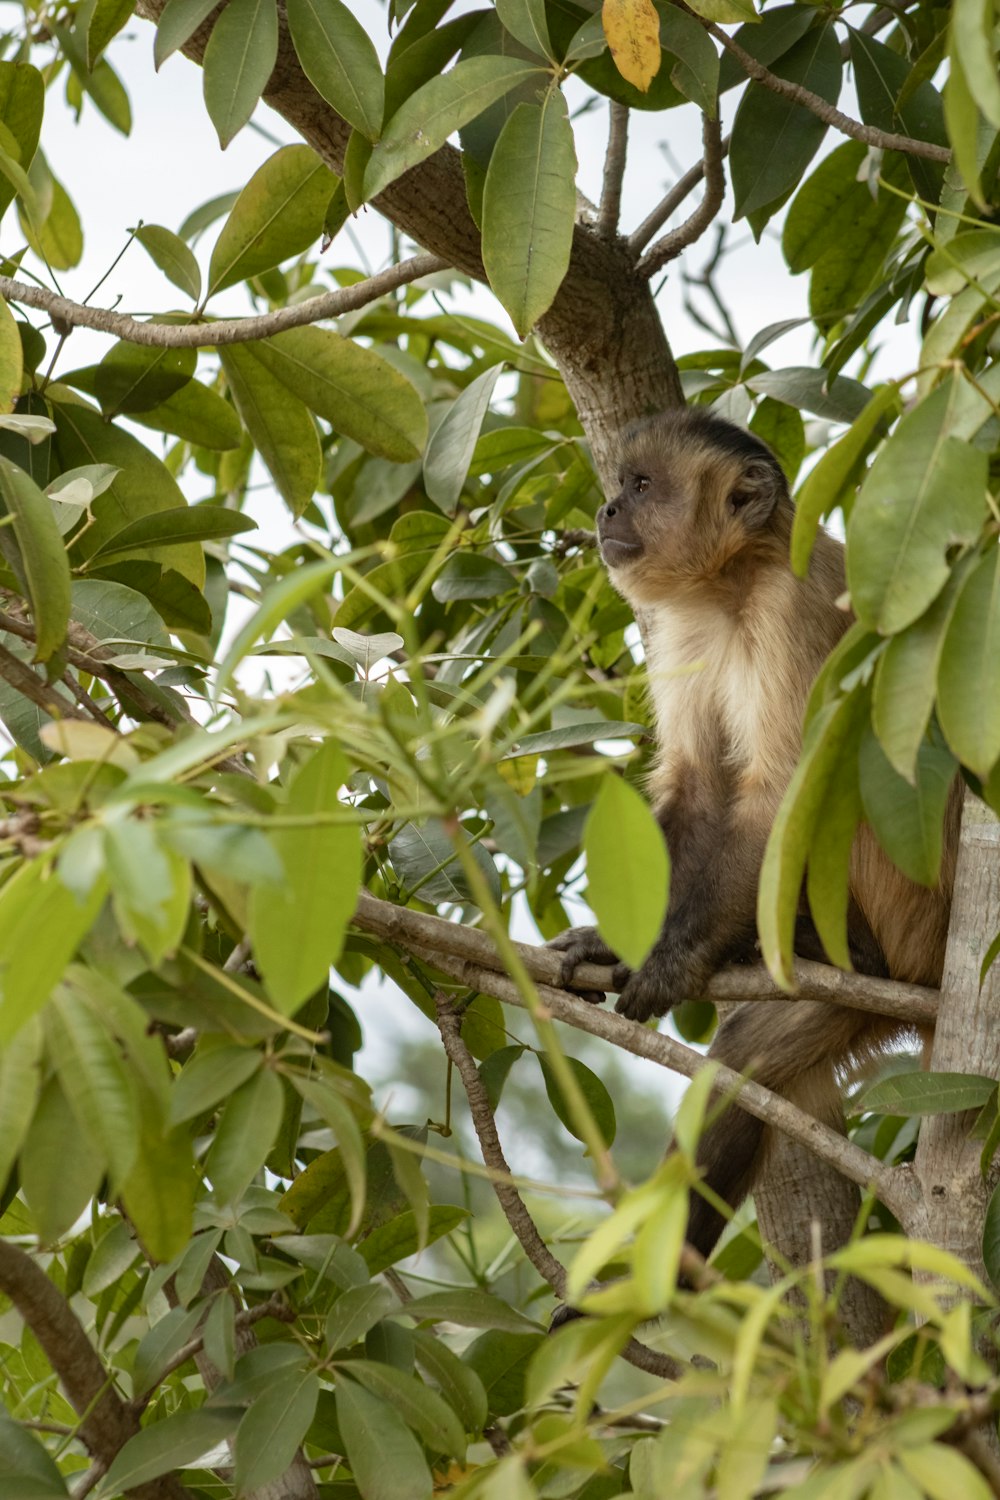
x: 792, y: 1048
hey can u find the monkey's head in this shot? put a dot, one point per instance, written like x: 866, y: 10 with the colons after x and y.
x: 697, y: 493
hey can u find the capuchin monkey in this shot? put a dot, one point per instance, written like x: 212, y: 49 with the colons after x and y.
x: 697, y: 541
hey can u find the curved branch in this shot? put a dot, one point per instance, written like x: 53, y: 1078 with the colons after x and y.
x: 106, y: 1422
x: 523, y: 1225
x: 671, y: 245
x: 232, y: 330
x: 908, y: 1003
x: 890, y: 1184
x: 869, y: 135
x: 614, y: 170
x: 682, y: 188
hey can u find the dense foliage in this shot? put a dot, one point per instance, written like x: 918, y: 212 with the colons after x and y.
x: 208, y: 1227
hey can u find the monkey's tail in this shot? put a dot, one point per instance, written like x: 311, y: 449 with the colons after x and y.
x: 793, y: 1047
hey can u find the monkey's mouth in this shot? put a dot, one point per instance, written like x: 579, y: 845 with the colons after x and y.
x: 617, y: 553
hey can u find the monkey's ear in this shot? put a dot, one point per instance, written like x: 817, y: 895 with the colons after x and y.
x: 756, y: 493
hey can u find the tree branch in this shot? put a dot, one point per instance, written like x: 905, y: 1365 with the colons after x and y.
x: 671, y: 245
x: 682, y: 188
x: 231, y: 330
x: 106, y: 1422
x: 614, y: 170
x: 449, y: 1022
x: 907, y: 1003
x: 886, y: 140
x: 24, y: 680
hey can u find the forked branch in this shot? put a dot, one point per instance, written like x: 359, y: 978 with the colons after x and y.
x: 671, y: 245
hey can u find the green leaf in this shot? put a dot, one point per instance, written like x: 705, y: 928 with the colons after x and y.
x: 105, y: 19
x: 179, y: 19
x: 942, y: 1473
x: 168, y: 251
x: 469, y: 1308
x: 453, y: 441
x: 172, y: 528
x: 95, y: 1081
x: 11, y: 359
x: 461, y: 1386
x: 238, y: 62
x: 825, y: 482
x: 427, y: 118
x: 244, y: 1135
x: 529, y: 207
x: 598, y: 1099
x: 41, y: 924
x: 696, y: 71
x: 279, y: 425
x: 571, y: 735
x: 278, y: 214
x: 969, y: 671
x: 150, y: 886
x: 425, y: 857
x: 22, y: 103
x: 172, y: 1443
x: 832, y: 734
x: 41, y: 557
x: 423, y: 1410
x: 197, y: 414
x: 399, y: 1238
x: 61, y: 1165
x: 20, y: 1085
x: 142, y: 486
x: 907, y: 820
x: 385, y: 1458
x: 495, y: 1069
x: 470, y: 575
x: 353, y: 1313
x: 339, y: 60
x: 773, y: 139
x: 991, y: 1238
x: 272, y: 1428
x: 928, y: 1094
x: 159, y: 1195
x: 501, y: 1361
x: 925, y: 492
x: 525, y: 20
x: 297, y: 928
x: 627, y: 891
x: 358, y: 392
x: 132, y: 378
x: 838, y: 400
x: 973, y: 43
x: 211, y: 1075
x: 25, y: 1465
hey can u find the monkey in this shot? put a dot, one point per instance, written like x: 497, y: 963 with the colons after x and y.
x: 697, y: 541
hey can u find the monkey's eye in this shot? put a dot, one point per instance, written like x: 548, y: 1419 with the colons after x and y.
x: 640, y: 484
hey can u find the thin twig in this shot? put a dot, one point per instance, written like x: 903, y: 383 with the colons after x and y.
x: 869, y: 135
x: 614, y: 170
x: 682, y: 189
x: 670, y: 246
x: 232, y: 330
x: 87, y: 703
x: 551, y: 1270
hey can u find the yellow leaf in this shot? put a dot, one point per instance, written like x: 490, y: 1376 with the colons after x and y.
x: 632, y: 28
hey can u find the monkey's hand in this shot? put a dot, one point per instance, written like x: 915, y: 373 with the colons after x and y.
x: 582, y: 945
x: 668, y: 976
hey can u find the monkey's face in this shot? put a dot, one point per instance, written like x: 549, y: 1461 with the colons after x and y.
x: 696, y: 493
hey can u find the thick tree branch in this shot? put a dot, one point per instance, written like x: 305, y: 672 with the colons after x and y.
x: 232, y: 330
x: 671, y: 245
x: 614, y: 170
x: 886, y: 140
x: 106, y: 1422
x: 909, y: 1003
x: 682, y: 189
x: 551, y: 1270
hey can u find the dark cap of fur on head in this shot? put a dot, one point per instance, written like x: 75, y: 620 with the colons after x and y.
x: 690, y: 426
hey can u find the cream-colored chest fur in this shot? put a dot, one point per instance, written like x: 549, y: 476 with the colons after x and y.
x: 725, y: 692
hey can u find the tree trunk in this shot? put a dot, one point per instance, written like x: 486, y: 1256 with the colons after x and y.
x: 949, y: 1211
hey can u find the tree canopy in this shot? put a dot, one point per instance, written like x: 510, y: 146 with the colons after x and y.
x: 248, y: 783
